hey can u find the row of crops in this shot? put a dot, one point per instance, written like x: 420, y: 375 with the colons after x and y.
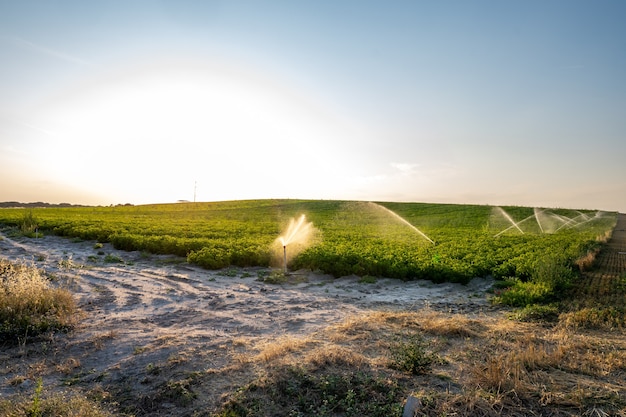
x: 351, y: 237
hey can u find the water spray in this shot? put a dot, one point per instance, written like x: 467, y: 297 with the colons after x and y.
x: 298, y: 233
x: 403, y: 220
x: 537, y: 212
x: 510, y: 219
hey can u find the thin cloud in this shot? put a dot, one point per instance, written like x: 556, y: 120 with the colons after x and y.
x: 404, y: 168
x: 51, y: 52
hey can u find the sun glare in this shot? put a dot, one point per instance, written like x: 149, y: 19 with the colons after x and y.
x: 156, y: 131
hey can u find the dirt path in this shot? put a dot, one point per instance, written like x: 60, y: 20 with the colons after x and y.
x: 147, y: 317
x: 603, y: 284
x: 612, y: 260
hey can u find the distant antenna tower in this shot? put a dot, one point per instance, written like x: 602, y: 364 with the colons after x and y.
x: 195, y: 185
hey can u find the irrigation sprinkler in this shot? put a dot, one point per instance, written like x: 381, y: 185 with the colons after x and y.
x: 298, y: 233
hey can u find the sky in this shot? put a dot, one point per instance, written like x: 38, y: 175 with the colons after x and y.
x: 480, y: 102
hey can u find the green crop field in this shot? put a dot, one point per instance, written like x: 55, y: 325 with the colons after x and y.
x: 438, y: 242
x: 566, y: 360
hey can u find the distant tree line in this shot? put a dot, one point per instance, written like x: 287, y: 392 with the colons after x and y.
x: 39, y: 204
x: 36, y: 204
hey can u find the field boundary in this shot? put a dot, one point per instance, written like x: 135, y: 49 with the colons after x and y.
x: 604, y: 285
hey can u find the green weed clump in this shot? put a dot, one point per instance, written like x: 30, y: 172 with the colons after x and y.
x: 605, y: 317
x: 550, y: 276
x: 66, y: 405
x: 538, y: 313
x: 28, y: 305
x: 29, y: 223
x: 412, y: 356
x: 296, y: 391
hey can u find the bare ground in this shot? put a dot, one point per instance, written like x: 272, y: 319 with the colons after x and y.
x: 149, y: 320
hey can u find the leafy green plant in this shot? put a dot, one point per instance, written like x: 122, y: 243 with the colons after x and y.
x: 229, y: 272
x: 523, y: 294
x: 537, y: 312
x: 35, y: 409
x: 180, y: 392
x: 113, y: 259
x: 295, y: 391
x: 368, y: 279
x: 411, y: 355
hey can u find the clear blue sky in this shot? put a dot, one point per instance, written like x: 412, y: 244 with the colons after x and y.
x: 489, y: 102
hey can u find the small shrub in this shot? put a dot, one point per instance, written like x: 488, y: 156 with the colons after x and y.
x: 68, y: 263
x: 537, y: 313
x: 554, y: 272
x: 276, y: 278
x: 35, y: 409
x: 523, y: 294
x: 152, y: 369
x: 368, y: 279
x: 295, y: 391
x: 113, y: 259
x: 177, y: 392
x: 412, y: 356
x: 229, y: 272
x: 29, y: 224
x: 596, y: 318
x: 28, y: 306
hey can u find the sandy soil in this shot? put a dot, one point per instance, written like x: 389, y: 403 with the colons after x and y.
x: 148, y: 311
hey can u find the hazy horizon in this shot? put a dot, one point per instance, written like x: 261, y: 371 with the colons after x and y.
x: 416, y: 101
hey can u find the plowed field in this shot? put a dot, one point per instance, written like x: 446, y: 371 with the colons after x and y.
x: 605, y: 284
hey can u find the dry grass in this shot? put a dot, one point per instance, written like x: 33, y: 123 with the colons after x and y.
x: 586, y: 262
x: 68, y: 366
x: 490, y: 366
x: 333, y: 355
x: 280, y: 348
x: 29, y: 305
x: 98, y: 341
x: 61, y: 404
